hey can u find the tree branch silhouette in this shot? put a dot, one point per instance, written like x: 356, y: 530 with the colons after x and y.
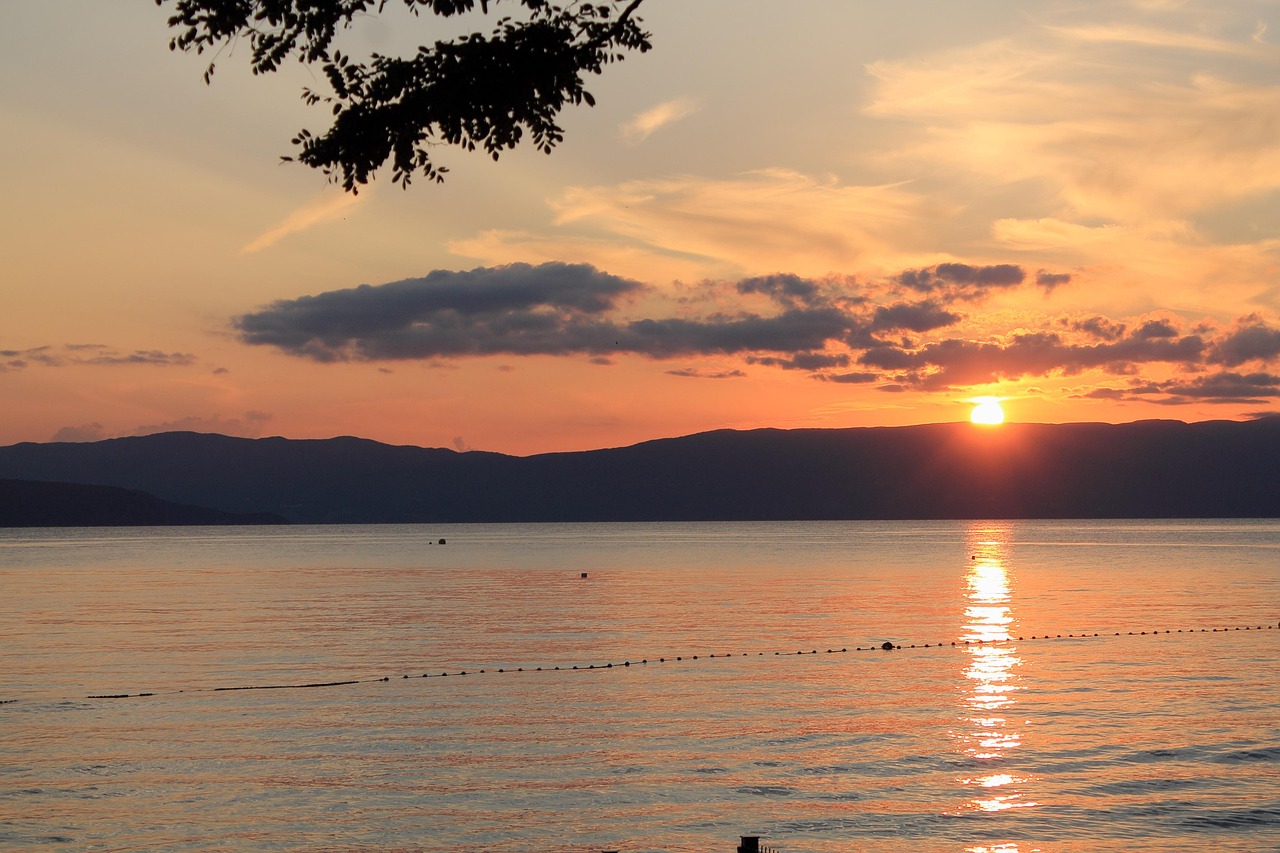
x: 477, y: 90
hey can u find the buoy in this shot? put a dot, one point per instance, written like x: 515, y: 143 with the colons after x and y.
x: 584, y: 574
x: 886, y: 645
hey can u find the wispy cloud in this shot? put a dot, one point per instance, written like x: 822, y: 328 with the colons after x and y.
x: 691, y: 227
x: 697, y: 373
x: 644, y: 124
x: 1116, y: 135
x: 250, y: 425
x: 90, y: 354
x: 328, y: 206
x: 757, y: 222
x: 1151, y: 37
x: 92, y: 431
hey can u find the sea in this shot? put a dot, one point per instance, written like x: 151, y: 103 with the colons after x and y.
x: 967, y: 686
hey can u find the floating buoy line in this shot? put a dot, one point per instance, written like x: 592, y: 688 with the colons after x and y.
x: 882, y: 647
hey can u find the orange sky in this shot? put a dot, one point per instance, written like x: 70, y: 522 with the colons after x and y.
x: 853, y: 215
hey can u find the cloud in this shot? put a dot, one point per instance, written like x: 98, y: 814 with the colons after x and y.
x: 963, y: 281
x: 954, y: 362
x: 851, y: 378
x: 569, y: 309
x: 803, y: 361
x: 1049, y: 280
x: 84, y: 432
x: 1253, y: 340
x: 517, y: 309
x: 1129, y: 34
x: 756, y: 222
x: 695, y: 373
x: 645, y: 123
x: 913, y: 316
x: 789, y: 289
x: 1227, y: 386
x: 1114, y: 133
x: 1153, y: 263
x: 1221, y: 387
x: 1105, y: 394
x: 552, y: 309
x: 249, y: 425
x: 153, y: 357
x: 822, y: 326
x: 90, y: 354
x: 45, y: 356
x: 323, y: 208
x: 1097, y: 326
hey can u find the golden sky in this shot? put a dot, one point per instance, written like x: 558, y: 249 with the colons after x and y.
x: 817, y: 214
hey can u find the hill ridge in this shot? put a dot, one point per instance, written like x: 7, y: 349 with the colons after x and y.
x: 1150, y: 468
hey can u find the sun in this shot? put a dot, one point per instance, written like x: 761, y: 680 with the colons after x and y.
x: 987, y: 411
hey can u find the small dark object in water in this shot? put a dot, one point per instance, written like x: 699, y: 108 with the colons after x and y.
x: 584, y: 574
x: 441, y: 542
x: 887, y: 646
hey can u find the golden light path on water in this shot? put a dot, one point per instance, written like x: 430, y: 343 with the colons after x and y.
x: 991, y: 731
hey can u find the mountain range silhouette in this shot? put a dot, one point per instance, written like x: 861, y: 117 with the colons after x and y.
x: 1145, y: 469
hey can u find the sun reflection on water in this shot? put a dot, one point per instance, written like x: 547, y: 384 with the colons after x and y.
x: 990, y: 735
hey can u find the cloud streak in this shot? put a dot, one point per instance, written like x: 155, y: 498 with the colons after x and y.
x: 250, y: 425
x: 646, y: 123
x: 1114, y: 133
x: 98, y: 355
x: 755, y: 222
x: 324, y: 208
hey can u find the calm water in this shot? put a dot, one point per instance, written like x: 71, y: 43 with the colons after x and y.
x: 1137, y: 742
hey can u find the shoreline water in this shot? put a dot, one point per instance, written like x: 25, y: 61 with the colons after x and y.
x: 1143, y: 742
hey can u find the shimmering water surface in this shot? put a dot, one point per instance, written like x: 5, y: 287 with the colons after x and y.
x: 731, y: 707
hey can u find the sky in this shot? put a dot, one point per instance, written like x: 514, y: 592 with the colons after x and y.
x: 814, y: 214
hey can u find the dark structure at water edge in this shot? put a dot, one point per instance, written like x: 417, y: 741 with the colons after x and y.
x: 1146, y: 469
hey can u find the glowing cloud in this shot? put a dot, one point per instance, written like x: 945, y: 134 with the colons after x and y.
x: 757, y: 222
x: 328, y: 206
x: 644, y: 124
x: 1114, y: 133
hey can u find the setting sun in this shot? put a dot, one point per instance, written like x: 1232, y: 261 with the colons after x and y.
x: 987, y: 411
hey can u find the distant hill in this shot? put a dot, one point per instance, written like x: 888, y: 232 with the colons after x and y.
x: 26, y: 503
x: 1147, y: 469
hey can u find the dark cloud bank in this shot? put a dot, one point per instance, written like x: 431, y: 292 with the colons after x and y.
x: 839, y: 330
